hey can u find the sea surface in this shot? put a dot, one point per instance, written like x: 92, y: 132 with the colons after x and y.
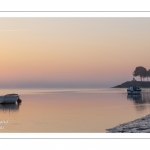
x: 71, y: 110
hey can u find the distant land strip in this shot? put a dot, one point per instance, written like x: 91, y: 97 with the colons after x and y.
x: 141, y: 84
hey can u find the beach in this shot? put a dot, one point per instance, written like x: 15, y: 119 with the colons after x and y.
x: 141, y: 125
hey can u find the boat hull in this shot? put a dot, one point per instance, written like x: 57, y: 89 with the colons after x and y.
x: 9, y: 98
x: 134, y: 92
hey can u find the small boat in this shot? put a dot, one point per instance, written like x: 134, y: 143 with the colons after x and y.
x: 9, y: 98
x: 134, y: 90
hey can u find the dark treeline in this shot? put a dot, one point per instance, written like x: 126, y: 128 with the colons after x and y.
x: 142, y: 73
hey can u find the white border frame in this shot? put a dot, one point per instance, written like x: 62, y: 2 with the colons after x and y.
x: 74, y: 135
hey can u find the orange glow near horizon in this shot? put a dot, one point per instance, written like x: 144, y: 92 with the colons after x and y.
x: 98, y: 50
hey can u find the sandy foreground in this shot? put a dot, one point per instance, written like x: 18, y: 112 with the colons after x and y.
x: 141, y: 125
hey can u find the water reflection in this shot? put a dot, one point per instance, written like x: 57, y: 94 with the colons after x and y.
x: 10, y: 107
x: 141, y: 101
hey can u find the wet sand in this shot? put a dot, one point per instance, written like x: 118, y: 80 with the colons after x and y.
x: 141, y: 125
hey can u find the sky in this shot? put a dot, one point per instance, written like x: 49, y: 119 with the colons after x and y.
x: 72, y: 52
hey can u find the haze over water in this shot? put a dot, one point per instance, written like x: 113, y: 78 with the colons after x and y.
x: 71, y: 110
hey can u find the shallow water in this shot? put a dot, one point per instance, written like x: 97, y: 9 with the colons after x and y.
x: 71, y: 110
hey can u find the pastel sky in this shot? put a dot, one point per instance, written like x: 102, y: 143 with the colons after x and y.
x: 72, y: 52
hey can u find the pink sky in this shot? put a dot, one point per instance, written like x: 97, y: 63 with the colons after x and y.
x: 72, y: 52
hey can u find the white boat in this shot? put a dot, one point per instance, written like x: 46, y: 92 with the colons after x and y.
x: 134, y: 90
x: 9, y: 98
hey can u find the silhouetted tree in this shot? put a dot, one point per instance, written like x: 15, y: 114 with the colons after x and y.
x: 141, y: 72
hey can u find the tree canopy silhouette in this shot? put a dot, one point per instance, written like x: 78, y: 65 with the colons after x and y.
x: 141, y: 72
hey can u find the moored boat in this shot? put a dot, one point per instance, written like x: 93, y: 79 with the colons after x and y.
x: 9, y: 98
x: 134, y: 90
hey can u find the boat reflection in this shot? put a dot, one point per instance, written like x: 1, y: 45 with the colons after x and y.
x: 10, y: 107
x: 135, y: 98
x: 141, y: 101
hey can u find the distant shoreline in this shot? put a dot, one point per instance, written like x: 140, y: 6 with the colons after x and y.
x: 141, y: 84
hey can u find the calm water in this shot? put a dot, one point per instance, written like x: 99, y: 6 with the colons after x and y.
x: 71, y: 110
